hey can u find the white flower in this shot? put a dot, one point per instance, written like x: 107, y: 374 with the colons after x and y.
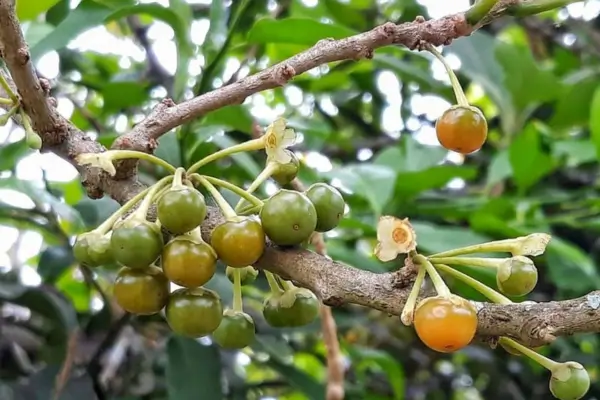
x: 277, y: 139
x: 395, y: 236
x: 99, y: 160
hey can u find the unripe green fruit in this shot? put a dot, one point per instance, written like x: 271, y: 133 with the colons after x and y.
x: 300, y: 306
x: 517, y: 276
x: 287, y: 172
x: 569, y: 381
x: 194, y: 312
x: 181, y: 210
x: 136, y: 244
x: 329, y: 203
x: 288, y: 218
x: 236, y: 330
x: 93, y: 249
x: 247, y: 275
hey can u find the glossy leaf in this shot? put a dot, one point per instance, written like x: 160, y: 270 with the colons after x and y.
x: 284, y: 31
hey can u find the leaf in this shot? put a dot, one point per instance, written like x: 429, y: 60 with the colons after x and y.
x: 243, y: 159
x: 54, y: 261
x: 298, y: 379
x: 193, y: 370
x: 29, y: 9
x: 345, y: 254
x: 275, y: 346
x: 436, y: 238
x: 169, y: 149
x: 286, y: 30
x: 595, y: 120
x: 575, y: 152
x: 372, y: 182
x: 529, y: 163
x: 499, y: 168
x: 410, y: 156
x: 413, y: 183
x: 406, y: 66
x: 87, y: 15
x: 570, y: 268
x: 368, y: 358
x: 346, y: 14
x: 573, y: 106
x: 232, y: 117
x: 36, y: 31
x: 11, y: 153
x: 122, y: 95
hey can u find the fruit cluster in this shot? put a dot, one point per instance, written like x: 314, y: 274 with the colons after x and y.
x: 149, y: 265
x: 447, y: 322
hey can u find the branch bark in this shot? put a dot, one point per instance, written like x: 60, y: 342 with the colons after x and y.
x: 334, y: 282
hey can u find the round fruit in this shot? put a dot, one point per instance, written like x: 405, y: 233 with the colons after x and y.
x: 188, y: 263
x: 142, y: 292
x: 445, y: 324
x: 136, y: 246
x: 300, y: 307
x: 287, y: 172
x: 517, y: 276
x: 181, y: 210
x: 329, y: 203
x: 194, y: 312
x: 247, y: 274
x: 239, y: 243
x: 236, y: 330
x: 570, y: 381
x: 288, y: 217
x: 93, y: 250
x: 462, y: 129
x: 274, y: 314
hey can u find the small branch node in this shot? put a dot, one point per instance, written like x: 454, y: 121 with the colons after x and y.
x: 283, y: 74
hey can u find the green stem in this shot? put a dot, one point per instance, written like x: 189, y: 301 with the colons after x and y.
x: 438, y: 283
x: 6, y: 101
x: 237, y: 291
x: 178, y: 178
x: 8, y: 115
x: 458, y: 92
x: 8, y: 89
x: 251, y: 145
x: 115, y: 155
x: 471, y: 261
x: 227, y: 210
x: 32, y: 139
x: 272, y: 282
x: 479, y: 10
x: 540, y: 359
x: 496, y: 246
x: 142, y: 210
x: 235, y: 189
x: 523, y: 9
x: 263, y: 176
x: 105, y: 226
x: 408, y: 311
x: 286, y: 285
x: 475, y: 284
x: 249, y: 210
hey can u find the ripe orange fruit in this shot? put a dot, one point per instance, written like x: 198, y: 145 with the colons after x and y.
x: 462, y: 129
x: 445, y: 324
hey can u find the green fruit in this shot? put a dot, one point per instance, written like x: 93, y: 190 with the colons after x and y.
x: 93, y: 249
x: 248, y: 274
x: 569, y: 381
x: 142, y: 292
x: 181, y: 210
x: 517, y: 276
x: 288, y: 218
x: 188, y: 262
x: 239, y: 243
x: 329, y: 203
x: 273, y: 312
x: 286, y: 173
x: 137, y: 244
x: 236, y: 330
x: 194, y: 312
x: 300, y: 306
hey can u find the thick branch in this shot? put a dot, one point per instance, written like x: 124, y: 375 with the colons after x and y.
x: 334, y: 282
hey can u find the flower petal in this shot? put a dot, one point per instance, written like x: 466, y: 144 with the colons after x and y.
x: 288, y: 138
x: 278, y: 127
x: 385, y: 253
x: 279, y: 155
x: 385, y: 227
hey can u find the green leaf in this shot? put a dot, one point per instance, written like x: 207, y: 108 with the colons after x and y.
x: 286, y: 30
x: 575, y: 152
x: 298, y: 379
x: 372, y: 182
x: 36, y: 31
x: 367, y: 358
x: 499, y: 168
x: 243, y: 159
x: 413, y: 183
x: 436, y: 238
x: 346, y: 14
x: 231, y: 117
x: 87, y: 15
x: 570, y: 268
x: 29, y: 9
x: 169, y: 149
x: 12, y: 153
x: 54, y: 261
x: 193, y: 370
x: 122, y: 95
x: 595, y: 120
x: 573, y: 106
x: 274, y: 345
x: 409, y: 68
x: 528, y: 161
x: 410, y: 156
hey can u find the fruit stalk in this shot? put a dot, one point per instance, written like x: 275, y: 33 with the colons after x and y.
x: 8, y: 89
x: 438, y: 283
x: 8, y: 115
x: 251, y: 145
x: 523, y: 9
x: 538, y: 358
x: 475, y: 284
x: 178, y: 178
x: 6, y: 101
x: 479, y: 10
x: 409, y: 308
x: 227, y: 210
x: 530, y: 245
x: 461, y: 99
x: 141, y: 212
x: 272, y: 282
x: 33, y: 139
x: 105, y: 226
x: 472, y: 261
x: 237, y: 291
x: 235, y: 189
x: 263, y: 176
x: 115, y: 155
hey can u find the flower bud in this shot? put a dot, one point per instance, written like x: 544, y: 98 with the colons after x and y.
x: 516, y: 276
x: 569, y: 381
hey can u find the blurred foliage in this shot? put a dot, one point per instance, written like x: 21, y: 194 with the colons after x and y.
x: 367, y: 127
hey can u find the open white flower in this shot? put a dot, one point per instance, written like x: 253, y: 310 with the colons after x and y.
x: 277, y: 139
x: 99, y: 160
x: 395, y: 236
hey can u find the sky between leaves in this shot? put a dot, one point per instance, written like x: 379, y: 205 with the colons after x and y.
x: 99, y: 40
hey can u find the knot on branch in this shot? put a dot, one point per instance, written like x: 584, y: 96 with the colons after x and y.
x: 283, y: 73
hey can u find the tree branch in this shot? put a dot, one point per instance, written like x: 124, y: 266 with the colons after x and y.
x: 334, y: 282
